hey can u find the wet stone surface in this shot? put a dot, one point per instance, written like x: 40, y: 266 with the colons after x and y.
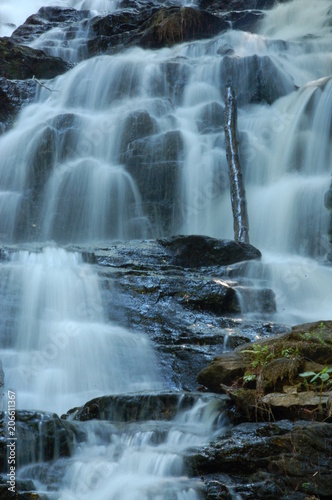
x: 177, y: 291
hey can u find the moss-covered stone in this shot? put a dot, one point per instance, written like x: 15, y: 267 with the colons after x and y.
x: 18, y: 62
x: 171, y: 26
x: 273, y: 371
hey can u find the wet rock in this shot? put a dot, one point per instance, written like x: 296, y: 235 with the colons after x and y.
x: 257, y: 299
x: 110, y: 33
x: 182, y: 310
x: 223, y: 370
x: 47, y: 18
x: 138, y: 124
x: 150, y: 26
x: 52, y: 144
x: 140, y: 407
x: 40, y: 437
x: 171, y: 26
x: 14, y: 95
x: 328, y: 198
x: 210, y: 118
x: 328, y: 205
x: 195, y: 251
x: 255, y: 79
x: 269, y: 461
x: 244, y: 21
x: 211, y: 295
x: 237, y: 5
x: 155, y: 165
x: 269, y: 376
x: 24, y: 490
x: 21, y: 62
x: 162, y: 148
x: 176, y: 75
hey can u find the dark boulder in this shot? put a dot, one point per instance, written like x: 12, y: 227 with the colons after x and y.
x: 14, y: 95
x: 40, y: 437
x: 210, y: 118
x: 136, y: 407
x: 255, y: 79
x: 53, y: 143
x: 328, y: 198
x: 168, y: 27
x: 274, y: 460
x: 138, y: 124
x: 155, y: 164
x: 197, y: 251
x: 151, y: 27
x: 328, y: 205
x: 235, y: 5
x: 21, y: 62
x: 108, y: 34
x: 112, y: 31
x: 209, y: 295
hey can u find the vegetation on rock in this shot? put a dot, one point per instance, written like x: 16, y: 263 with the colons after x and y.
x: 268, y: 379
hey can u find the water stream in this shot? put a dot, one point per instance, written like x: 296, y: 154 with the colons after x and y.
x: 57, y: 348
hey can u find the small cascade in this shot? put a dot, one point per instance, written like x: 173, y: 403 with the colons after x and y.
x: 69, y: 44
x: 54, y: 332
x: 14, y: 14
x: 143, y: 460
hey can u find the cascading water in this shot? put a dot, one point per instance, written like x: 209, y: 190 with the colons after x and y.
x: 109, y: 151
x: 57, y: 331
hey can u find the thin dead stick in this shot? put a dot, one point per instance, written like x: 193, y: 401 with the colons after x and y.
x: 42, y: 85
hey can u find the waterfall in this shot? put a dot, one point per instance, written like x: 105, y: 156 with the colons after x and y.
x: 131, y: 146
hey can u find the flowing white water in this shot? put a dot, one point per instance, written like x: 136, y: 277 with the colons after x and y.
x: 59, y: 351
x: 76, y: 143
x: 75, y: 178
x: 145, y: 462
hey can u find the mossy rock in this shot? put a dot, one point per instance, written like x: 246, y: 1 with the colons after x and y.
x: 18, y: 62
x: 168, y: 27
x: 273, y: 368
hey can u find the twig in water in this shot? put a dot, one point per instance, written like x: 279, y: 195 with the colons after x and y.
x: 42, y: 85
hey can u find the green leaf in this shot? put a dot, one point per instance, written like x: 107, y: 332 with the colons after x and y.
x: 324, y: 377
x: 307, y: 374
